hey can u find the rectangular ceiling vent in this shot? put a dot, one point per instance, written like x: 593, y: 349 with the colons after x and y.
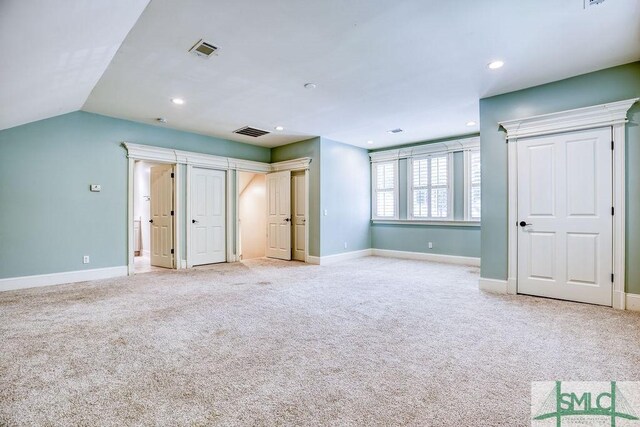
x: 249, y: 131
x: 593, y: 2
x: 397, y: 130
x: 203, y: 49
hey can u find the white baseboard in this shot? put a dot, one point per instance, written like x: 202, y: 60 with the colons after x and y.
x: 493, y: 285
x: 23, y: 282
x: 633, y: 302
x: 313, y: 260
x: 451, y: 259
x: 333, y: 259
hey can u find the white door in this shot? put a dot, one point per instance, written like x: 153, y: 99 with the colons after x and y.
x: 208, y: 222
x: 565, y: 216
x: 279, y: 215
x: 161, y: 213
x: 299, y: 215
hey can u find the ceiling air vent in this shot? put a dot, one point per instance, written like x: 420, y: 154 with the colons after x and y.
x: 592, y: 2
x: 398, y: 130
x: 204, y: 49
x: 249, y: 131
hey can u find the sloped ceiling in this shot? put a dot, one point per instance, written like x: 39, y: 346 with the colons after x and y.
x: 378, y: 64
x: 53, y: 52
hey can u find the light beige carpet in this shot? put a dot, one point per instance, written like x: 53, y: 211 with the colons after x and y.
x: 373, y: 341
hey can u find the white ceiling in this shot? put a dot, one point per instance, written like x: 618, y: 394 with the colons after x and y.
x: 54, y: 52
x: 378, y: 64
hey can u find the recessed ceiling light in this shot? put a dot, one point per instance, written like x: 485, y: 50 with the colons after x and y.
x: 369, y: 142
x: 471, y: 123
x: 310, y: 86
x: 496, y: 64
x: 177, y: 101
x: 279, y: 128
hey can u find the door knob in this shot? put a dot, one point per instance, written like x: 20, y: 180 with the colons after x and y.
x: 151, y: 220
x: 287, y: 219
x: 524, y: 224
x: 193, y: 221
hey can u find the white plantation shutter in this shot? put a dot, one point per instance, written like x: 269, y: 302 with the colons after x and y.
x: 385, y: 189
x: 474, y: 184
x: 430, y: 186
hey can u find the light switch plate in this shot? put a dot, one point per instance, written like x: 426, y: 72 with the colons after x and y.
x: 95, y: 187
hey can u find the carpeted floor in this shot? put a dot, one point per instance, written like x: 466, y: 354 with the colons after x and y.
x: 373, y: 341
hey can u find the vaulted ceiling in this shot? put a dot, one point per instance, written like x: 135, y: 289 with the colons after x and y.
x: 377, y: 65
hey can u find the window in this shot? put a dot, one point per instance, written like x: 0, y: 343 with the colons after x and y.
x: 385, y: 190
x: 473, y: 185
x: 430, y: 193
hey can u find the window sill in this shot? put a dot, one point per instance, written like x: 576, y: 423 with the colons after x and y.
x: 443, y: 222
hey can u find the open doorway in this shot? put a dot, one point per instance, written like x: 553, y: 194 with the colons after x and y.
x: 252, y: 221
x: 153, y: 216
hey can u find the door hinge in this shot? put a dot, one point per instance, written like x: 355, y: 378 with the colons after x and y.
x: 172, y: 175
x: 171, y: 250
x: 613, y: 210
x: 171, y: 213
x: 611, y: 277
x: 612, y: 144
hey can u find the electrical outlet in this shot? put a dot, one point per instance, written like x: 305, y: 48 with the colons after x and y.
x: 345, y: 245
x: 430, y: 245
x: 85, y: 259
x: 96, y: 188
x: 326, y: 212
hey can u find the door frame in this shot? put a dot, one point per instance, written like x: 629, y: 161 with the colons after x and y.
x: 612, y: 115
x: 300, y: 164
x: 177, y: 194
x: 181, y: 159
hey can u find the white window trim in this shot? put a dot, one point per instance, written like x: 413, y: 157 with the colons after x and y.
x: 467, y: 184
x: 374, y: 193
x: 450, y: 190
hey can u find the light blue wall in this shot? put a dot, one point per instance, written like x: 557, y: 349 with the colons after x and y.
x: 345, y: 194
x: 309, y: 148
x: 48, y: 217
x: 613, y: 84
x: 446, y: 239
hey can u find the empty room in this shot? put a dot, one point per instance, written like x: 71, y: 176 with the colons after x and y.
x: 319, y: 213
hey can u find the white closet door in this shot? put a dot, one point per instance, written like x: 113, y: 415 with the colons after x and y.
x: 279, y: 215
x: 299, y: 215
x: 565, y: 218
x: 161, y: 212
x: 208, y: 216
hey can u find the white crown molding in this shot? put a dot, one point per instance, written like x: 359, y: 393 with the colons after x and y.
x: 24, y: 282
x: 295, y: 164
x: 570, y: 120
x: 425, y: 149
x: 168, y: 155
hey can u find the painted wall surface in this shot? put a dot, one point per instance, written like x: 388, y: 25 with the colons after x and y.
x: 253, y: 221
x: 446, y: 239
x: 309, y: 148
x: 345, y: 197
x: 613, y: 84
x: 48, y: 217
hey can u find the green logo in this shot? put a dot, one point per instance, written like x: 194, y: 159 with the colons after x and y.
x: 587, y: 403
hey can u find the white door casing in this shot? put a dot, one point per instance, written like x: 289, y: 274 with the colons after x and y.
x: 161, y: 214
x: 208, y: 216
x: 613, y: 114
x: 279, y: 215
x: 299, y: 215
x: 565, y: 194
